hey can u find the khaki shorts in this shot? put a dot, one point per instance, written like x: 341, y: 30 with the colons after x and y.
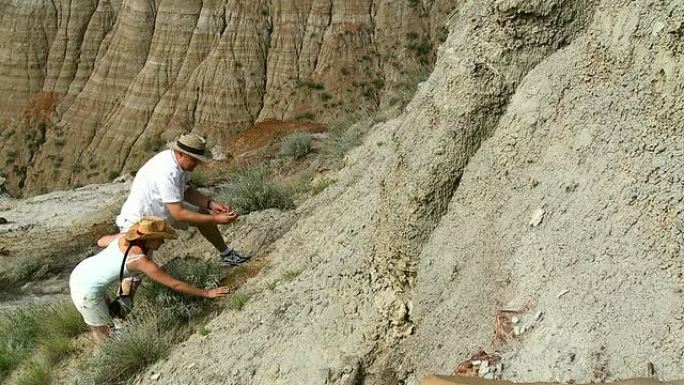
x: 92, y: 307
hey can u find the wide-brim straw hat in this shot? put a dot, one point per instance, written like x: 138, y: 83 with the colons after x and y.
x: 150, y: 227
x: 193, y: 145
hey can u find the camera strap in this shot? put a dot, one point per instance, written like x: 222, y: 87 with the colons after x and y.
x: 123, y: 263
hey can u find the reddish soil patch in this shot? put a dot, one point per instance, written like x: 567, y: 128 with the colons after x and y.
x: 263, y: 134
x: 255, y: 144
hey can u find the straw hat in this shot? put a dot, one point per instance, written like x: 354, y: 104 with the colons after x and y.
x: 193, y: 145
x: 150, y: 227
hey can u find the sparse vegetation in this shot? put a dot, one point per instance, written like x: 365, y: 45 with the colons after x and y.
x: 345, y: 133
x: 320, y: 185
x: 238, y: 300
x: 291, y: 274
x: 305, y: 116
x: 199, y: 178
x: 171, y: 306
x: 253, y: 189
x: 32, y: 340
x: 297, y: 145
x: 112, y: 175
x: 76, y: 167
x: 161, y: 318
x: 140, y: 344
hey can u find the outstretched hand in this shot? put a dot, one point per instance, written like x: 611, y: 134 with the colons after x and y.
x: 220, y: 208
x: 218, y: 292
x: 225, y: 218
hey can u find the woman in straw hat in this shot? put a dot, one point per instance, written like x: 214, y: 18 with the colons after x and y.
x: 91, y: 278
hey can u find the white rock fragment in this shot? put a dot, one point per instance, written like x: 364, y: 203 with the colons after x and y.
x: 538, y: 316
x: 515, y: 320
x: 484, y: 369
x: 537, y: 217
x: 562, y: 293
x: 155, y: 376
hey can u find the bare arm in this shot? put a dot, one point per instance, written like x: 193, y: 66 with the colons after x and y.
x: 195, y: 197
x: 181, y: 214
x: 157, y: 274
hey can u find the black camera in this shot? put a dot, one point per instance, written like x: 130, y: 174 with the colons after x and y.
x: 121, y: 306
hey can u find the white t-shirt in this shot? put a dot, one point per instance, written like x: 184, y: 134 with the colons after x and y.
x: 159, y: 181
x: 95, y: 274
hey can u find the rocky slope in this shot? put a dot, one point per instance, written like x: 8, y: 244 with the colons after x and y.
x: 537, y: 171
x: 92, y: 88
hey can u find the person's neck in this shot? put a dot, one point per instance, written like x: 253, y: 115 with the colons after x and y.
x: 175, y: 159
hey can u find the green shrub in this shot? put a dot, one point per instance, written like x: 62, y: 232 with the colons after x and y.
x: 296, y: 145
x: 112, y: 175
x: 253, y: 190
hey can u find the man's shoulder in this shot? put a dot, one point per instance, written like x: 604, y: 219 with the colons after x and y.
x: 162, y: 162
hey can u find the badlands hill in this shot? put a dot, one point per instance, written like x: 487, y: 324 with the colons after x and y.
x: 538, y: 172
x: 91, y: 89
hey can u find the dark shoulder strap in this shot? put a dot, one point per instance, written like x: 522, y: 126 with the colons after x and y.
x: 123, y: 263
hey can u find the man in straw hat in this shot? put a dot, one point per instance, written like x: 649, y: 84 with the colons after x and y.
x: 160, y: 188
x: 126, y: 255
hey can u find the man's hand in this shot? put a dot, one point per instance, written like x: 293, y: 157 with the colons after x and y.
x: 224, y: 218
x: 219, y: 208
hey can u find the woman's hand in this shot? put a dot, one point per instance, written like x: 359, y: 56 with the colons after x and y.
x: 218, y: 292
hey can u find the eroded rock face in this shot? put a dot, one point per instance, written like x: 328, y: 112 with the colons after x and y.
x: 128, y: 76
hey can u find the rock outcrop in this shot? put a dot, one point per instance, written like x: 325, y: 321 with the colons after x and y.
x: 125, y: 77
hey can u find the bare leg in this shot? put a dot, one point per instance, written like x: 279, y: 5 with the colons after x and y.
x: 211, y: 232
x: 106, y: 240
x: 100, y: 333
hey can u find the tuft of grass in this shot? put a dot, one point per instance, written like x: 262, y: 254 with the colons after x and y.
x: 36, y: 372
x: 238, y: 301
x: 320, y: 185
x: 19, y: 330
x: 32, y: 336
x: 253, y: 189
x: 55, y: 348
x: 296, y: 145
x: 291, y: 274
x: 139, y: 345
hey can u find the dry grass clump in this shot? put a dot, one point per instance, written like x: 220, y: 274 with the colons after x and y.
x: 297, y: 145
x: 253, y: 189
